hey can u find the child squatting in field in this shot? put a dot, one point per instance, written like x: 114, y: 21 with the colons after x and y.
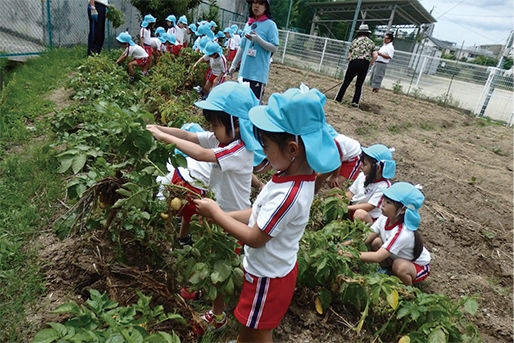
x: 140, y: 56
x: 292, y: 131
x: 395, y: 242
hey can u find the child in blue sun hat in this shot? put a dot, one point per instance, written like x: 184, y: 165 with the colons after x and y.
x: 377, y: 167
x: 228, y: 148
x: 171, y: 21
x: 145, y: 38
x: 138, y: 54
x: 213, y: 54
x: 395, y: 242
x: 296, y: 142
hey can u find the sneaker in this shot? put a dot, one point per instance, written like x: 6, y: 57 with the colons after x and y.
x: 210, y: 321
x: 197, y: 89
x: 185, y: 241
x: 131, y: 79
x: 186, y: 294
x: 354, y: 104
x: 146, y: 73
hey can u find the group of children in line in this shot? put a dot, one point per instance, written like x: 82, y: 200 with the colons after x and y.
x: 178, y: 35
x: 290, y: 135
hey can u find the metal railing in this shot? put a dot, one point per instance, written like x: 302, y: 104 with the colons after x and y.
x: 27, y: 27
x: 450, y: 82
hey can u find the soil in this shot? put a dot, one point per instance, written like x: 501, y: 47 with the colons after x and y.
x: 464, y: 165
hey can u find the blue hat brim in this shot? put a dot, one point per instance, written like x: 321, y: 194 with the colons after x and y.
x: 321, y: 151
x: 144, y: 24
x: 259, y: 117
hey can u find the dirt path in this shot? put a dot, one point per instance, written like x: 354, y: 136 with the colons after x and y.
x: 465, y: 167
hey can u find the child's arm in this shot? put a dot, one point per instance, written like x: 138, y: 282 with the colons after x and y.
x: 375, y: 256
x: 362, y: 206
x: 199, y: 60
x: 122, y: 57
x: 256, y: 182
x: 370, y: 239
x: 179, y: 133
x: 191, y: 149
x: 321, y: 178
x: 349, y: 194
x: 242, y: 216
x: 218, y: 78
x: 251, y: 236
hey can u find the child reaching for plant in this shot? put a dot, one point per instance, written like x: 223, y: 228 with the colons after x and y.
x: 229, y: 151
x: 292, y: 131
x: 395, y: 242
x: 349, y: 153
x: 132, y: 50
x: 213, y: 54
x: 377, y: 167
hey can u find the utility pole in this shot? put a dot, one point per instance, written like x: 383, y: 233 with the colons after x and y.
x: 354, y: 22
x: 289, y: 14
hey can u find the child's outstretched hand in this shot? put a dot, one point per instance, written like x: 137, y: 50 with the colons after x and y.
x: 154, y: 130
x: 207, y: 207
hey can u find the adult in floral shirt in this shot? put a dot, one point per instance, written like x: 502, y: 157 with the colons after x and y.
x: 362, y: 55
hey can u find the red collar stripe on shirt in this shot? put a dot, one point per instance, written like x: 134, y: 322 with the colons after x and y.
x: 225, y: 153
x: 284, y: 207
x: 400, y: 227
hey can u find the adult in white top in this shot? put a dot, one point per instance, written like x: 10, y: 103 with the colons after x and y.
x: 385, y: 53
x: 96, y: 11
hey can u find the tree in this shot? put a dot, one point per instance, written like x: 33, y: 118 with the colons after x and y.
x: 162, y: 8
x: 507, y: 63
x: 485, y: 61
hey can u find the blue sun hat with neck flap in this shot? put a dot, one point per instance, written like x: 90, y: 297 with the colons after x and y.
x: 229, y: 31
x: 411, y: 197
x: 235, y: 99
x: 149, y: 18
x: 192, y: 27
x: 234, y: 28
x: 160, y: 30
x: 383, y: 154
x: 171, y: 18
x: 299, y: 111
x: 182, y: 19
x: 211, y: 48
x: 124, y: 37
x: 169, y: 38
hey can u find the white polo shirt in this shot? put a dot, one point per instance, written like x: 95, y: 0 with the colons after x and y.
x: 281, y: 210
x: 218, y: 65
x: 370, y: 194
x: 386, y: 49
x: 197, y: 173
x: 180, y: 34
x: 171, y: 31
x: 237, y: 40
x: 156, y: 43
x: 147, y: 37
x: 399, y: 241
x: 231, y: 176
x: 231, y: 44
x: 136, y: 52
x: 349, y: 147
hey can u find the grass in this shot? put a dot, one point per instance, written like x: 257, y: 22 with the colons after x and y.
x: 28, y: 184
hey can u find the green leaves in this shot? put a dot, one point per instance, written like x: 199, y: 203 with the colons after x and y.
x: 102, y: 320
x: 222, y: 271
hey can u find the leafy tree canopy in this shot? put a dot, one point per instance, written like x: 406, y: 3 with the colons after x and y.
x: 160, y: 9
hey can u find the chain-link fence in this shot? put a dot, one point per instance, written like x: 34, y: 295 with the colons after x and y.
x: 27, y: 27
x: 449, y: 82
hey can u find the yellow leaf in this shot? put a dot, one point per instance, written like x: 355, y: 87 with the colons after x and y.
x: 404, y: 339
x: 392, y: 299
x: 317, y: 304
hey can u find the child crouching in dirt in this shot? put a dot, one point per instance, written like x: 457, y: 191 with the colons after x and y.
x: 395, y: 242
x: 132, y: 50
x: 229, y: 149
x: 292, y: 131
x: 377, y: 167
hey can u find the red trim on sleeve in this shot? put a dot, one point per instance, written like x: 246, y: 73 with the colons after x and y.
x: 286, y: 204
x: 339, y: 149
x: 232, y: 150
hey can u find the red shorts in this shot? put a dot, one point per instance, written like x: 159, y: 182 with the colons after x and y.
x: 350, y: 169
x: 149, y: 50
x: 142, y: 61
x: 189, y: 209
x: 231, y: 54
x: 212, y: 77
x: 422, y: 272
x: 208, y: 74
x: 175, y: 49
x: 264, y: 301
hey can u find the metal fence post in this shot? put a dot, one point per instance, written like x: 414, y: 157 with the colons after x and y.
x: 323, y: 54
x: 285, y: 47
x: 49, y: 23
x: 421, y: 70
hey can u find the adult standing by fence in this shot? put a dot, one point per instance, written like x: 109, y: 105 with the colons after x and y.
x: 385, y: 53
x: 259, y: 42
x: 362, y: 55
x: 96, y: 11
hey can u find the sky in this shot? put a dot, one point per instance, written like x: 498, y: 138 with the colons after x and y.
x: 476, y: 22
